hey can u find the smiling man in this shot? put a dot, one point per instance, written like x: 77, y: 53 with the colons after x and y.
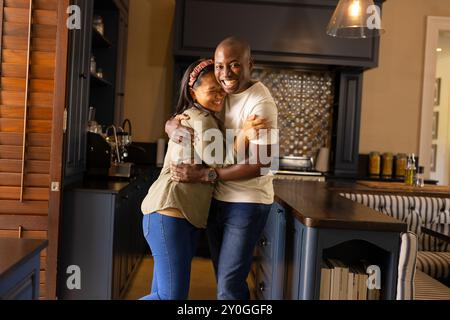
x: 243, y: 196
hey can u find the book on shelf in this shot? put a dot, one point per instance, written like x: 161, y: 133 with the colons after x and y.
x: 361, y: 281
x: 352, y: 285
x: 340, y: 281
x: 372, y: 293
x: 325, y: 281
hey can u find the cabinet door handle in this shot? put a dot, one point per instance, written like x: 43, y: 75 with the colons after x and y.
x: 20, y: 232
x: 263, y: 242
x: 262, y: 286
x: 83, y: 75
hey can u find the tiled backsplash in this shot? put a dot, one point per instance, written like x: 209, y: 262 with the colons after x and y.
x: 305, y: 108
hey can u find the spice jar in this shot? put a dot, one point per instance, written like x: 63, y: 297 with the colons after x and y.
x: 374, y: 164
x: 400, y: 165
x: 388, y: 161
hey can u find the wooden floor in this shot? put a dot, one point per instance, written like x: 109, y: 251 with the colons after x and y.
x: 203, y: 283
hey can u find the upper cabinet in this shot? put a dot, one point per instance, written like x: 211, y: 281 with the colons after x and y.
x: 96, y: 70
x: 285, y: 31
x: 78, y: 93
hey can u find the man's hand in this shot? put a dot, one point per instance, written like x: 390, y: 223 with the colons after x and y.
x: 190, y: 173
x: 252, y: 126
x: 249, y: 131
x: 178, y: 133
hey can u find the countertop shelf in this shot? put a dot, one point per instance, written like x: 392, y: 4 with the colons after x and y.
x: 100, y: 82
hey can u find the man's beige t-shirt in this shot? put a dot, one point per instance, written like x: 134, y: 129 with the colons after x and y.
x: 258, y: 101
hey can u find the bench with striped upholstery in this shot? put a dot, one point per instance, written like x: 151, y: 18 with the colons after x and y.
x: 433, y: 257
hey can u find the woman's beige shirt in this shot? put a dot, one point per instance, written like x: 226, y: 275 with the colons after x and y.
x: 191, y: 199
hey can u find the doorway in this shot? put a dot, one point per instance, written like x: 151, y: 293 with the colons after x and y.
x: 435, y: 124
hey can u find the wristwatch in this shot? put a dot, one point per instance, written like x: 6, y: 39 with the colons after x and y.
x: 212, y: 175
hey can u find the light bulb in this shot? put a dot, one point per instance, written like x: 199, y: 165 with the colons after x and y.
x: 355, y: 9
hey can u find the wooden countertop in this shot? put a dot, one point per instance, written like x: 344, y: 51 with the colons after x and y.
x: 316, y: 205
x: 114, y: 185
x: 390, y: 187
x: 14, y: 251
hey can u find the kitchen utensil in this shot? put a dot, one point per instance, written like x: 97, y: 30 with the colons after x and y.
x: 297, y: 163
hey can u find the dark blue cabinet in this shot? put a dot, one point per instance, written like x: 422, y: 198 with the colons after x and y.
x: 19, y: 268
x: 282, y: 31
x: 269, y: 256
x: 311, y: 245
x: 78, y: 95
x: 289, y: 254
x: 101, y: 233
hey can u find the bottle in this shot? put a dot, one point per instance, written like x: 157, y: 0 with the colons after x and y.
x: 420, y: 181
x: 410, y: 171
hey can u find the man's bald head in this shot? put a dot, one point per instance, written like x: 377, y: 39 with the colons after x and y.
x: 238, y: 44
x: 233, y: 65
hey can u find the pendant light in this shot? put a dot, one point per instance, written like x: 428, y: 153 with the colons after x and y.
x: 355, y: 19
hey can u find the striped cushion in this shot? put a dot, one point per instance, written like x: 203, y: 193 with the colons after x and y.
x: 407, y: 266
x: 428, y: 288
x: 432, y: 213
x: 435, y: 264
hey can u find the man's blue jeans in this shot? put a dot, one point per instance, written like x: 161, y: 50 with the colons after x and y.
x: 233, y: 231
x: 173, y: 242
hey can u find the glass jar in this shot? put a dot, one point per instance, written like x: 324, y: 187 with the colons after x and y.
x: 93, y: 66
x: 400, y: 165
x: 99, y: 25
x: 374, y: 164
x: 100, y: 73
x: 420, y: 180
x: 388, y: 161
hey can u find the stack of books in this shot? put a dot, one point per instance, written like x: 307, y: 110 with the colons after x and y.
x: 339, y: 281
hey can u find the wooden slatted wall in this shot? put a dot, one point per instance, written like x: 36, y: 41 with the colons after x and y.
x: 32, y: 90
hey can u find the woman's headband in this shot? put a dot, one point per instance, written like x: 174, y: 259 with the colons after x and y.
x: 195, y: 73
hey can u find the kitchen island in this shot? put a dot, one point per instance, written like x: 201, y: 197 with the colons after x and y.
x: 19, y: 268
x: 310, y: 222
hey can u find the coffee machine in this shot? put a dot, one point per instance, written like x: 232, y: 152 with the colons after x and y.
x: 98, y: 155
x: 107, y: 153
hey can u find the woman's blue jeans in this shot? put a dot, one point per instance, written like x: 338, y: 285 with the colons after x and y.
x: 173, y: 243
x: 233, y: 231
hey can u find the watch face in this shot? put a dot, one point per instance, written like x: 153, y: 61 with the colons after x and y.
x: 212, y: 176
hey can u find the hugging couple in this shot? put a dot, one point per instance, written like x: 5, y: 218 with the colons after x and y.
x: 230, y: 198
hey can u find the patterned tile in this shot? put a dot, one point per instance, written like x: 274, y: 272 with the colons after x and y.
x: 305, y: 108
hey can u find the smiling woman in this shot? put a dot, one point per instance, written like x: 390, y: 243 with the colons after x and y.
x: 172, y: 221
